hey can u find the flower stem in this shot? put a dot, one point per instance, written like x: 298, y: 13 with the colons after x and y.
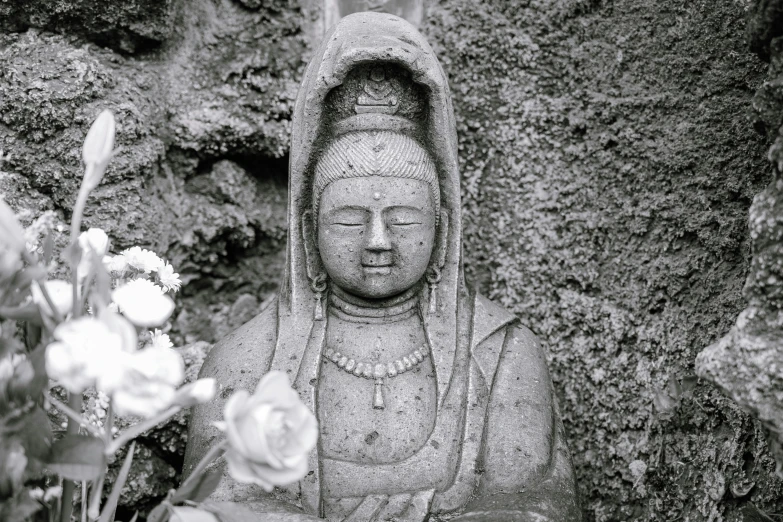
x: 138, y: 429
x: 94, y: 511
x: 84, y: 501
x: 75, y: 404
x: 73, y: 416
x: 76, y: 223
x: 214, y: 453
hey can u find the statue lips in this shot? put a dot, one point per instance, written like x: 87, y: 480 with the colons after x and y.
x: 377, y: 263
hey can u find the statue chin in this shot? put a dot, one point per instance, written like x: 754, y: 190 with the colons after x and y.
x: 376, y: 288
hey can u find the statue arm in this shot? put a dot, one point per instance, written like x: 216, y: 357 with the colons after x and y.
x: 237, y: 362
x: 527, y: 468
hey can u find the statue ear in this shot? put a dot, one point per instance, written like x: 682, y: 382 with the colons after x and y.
x: 313, y: 259
x: 441, y: 243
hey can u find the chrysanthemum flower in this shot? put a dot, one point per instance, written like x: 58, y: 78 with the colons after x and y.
x: 142, y: 259
x: 115, y: 264
x: 160, y: 340
x: 143, y: 303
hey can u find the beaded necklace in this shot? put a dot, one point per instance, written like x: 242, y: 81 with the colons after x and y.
x: 377, y: 371
x: 402, y: 306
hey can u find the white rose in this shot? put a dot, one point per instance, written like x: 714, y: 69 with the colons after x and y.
x: 143, y: 303
x: 83, y: 350
x: 149, y: 382
x: 270, y: 433
x: 61, y: 293
x: 11, y: 231
x: 94, y: 240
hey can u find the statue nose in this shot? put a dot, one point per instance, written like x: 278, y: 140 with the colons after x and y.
x: 378, y: 238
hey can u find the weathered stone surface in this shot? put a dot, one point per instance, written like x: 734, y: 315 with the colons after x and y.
x: 747, y: 363
x: 606, y: 195
x: 128, y: 26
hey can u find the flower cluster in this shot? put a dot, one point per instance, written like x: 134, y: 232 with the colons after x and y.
x: 102, y: 350
x: 105, y: 331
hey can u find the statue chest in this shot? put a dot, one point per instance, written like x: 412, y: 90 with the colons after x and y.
x: 353, y: 427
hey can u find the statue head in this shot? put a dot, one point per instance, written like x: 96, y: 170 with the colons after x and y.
x: 376, y: 203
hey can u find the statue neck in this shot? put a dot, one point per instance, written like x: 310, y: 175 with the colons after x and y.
x: 353, y: 308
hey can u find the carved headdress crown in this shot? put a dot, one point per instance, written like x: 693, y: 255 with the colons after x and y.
x: 373, y: 129
x: 377, y: 97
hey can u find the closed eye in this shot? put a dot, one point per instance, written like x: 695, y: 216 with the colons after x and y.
x: 349, y: 224
x: 406, y: 224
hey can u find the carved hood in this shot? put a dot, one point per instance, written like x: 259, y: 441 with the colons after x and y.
x: 357, y: 40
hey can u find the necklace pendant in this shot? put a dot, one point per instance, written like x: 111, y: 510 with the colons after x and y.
x: 377, y: 402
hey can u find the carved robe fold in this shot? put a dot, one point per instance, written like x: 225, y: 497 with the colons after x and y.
x: 484, y: 452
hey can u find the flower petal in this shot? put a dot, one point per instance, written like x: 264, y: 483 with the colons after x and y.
x: 241, y: 471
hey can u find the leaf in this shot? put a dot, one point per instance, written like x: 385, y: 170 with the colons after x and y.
x: 26, y: 312
x: 159, y: 514
x: 122, y: 476
x: 20, y: 508
x: 36, y: 437
x: 191, y: 514
x: 77, y: 457
x: 197, y: 488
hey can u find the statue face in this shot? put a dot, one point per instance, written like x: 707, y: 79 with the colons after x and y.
x: 376, y: 234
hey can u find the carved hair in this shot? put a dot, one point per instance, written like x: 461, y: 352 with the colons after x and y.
x: 374, y: 153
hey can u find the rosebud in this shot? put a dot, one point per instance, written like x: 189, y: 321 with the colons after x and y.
x: 11, y: 232
x: 95, y: 240
x: 198, y: 392
x: 98, y: 148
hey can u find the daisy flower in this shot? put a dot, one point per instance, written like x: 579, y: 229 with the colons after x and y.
x: 168, y: 278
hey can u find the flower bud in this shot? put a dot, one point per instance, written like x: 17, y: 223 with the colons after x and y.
x: 94, y: 240
x: 198, y: 392
x: 93, y: 243
x: 98, y: 148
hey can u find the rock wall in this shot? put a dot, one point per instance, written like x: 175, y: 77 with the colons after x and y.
x: 609, y: 160
x: 747, y: 363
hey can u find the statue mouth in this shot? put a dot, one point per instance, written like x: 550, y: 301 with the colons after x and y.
x: 377, y: 269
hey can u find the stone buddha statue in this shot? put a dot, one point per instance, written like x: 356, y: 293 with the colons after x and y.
x: 433, y: 402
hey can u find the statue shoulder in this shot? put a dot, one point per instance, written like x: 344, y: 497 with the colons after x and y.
x: 523, y: 447
x: 244, y: 355
x: 495, y: 329
x: 236, y: 362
